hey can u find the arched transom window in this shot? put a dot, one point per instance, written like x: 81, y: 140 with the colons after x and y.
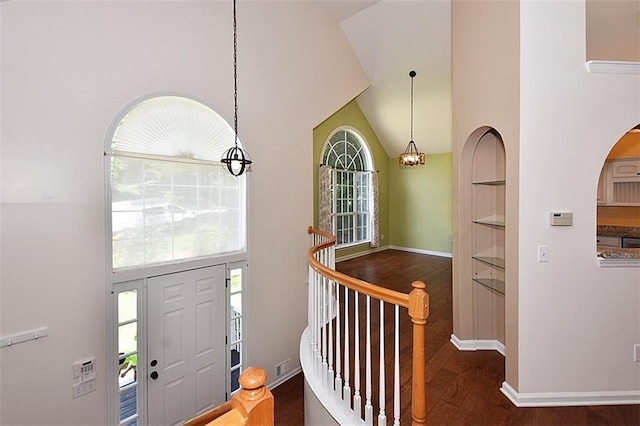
x: 347, y: 189
x: 171, y: 199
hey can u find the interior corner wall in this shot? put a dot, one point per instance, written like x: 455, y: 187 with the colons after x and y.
x: 351, y: 115
x: 578, y: 320
x: 420, y: 205
x: 486, y: 75
x: 67, y: 68
x: 1, y: 198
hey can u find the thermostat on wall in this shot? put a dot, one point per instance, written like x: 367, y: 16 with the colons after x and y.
x: 561, y: 219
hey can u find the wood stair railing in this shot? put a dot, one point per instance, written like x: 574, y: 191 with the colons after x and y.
x: 251, y: 406
x: 336, y: 353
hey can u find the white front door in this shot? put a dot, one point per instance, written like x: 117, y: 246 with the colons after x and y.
x: 186, y: 344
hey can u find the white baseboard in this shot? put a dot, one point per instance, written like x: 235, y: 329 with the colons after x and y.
x: 566, y: 399
x: 613, y: 67
x: 284, y: 378
x: 377, y: 249
x: 360, y: 253
x: 421, y: 251
x: 477, y: 345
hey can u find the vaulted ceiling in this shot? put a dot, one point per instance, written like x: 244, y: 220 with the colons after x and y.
x: 391, y: 38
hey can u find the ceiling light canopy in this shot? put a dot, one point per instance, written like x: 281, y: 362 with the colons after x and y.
x: 411, y: 156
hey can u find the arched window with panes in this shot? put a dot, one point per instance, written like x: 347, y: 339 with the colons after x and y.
x: 348, y: 189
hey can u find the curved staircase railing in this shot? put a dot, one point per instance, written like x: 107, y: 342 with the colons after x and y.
x: 345, y: 345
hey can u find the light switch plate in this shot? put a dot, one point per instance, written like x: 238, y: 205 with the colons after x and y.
x: 543, y: 253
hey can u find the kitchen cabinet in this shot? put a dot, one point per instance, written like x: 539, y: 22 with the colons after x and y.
x: 619, y: 183
x: 625, y: 168
x: 601, y: 196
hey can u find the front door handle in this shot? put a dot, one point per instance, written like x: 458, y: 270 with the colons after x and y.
x: 154, y: 375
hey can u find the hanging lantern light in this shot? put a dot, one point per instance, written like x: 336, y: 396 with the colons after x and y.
x: 235, y: 159
x: 411, y: 156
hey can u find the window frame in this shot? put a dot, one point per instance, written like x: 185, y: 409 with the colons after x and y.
x: 364, y: 152
x: 117, y: 280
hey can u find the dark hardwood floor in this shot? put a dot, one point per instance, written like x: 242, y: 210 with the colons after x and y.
x: 463, y: 388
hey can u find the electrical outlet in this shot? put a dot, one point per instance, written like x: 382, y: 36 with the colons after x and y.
x: 84, y: 388
x: 636, y: 353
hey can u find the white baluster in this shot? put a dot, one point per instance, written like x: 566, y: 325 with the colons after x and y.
x: 382, y: 417
x: 346, y: 395
x: 318, y: 324
x: 323, y: 310
x: 357, y: 399
x: 396, y: 369
x: 330, y: 378
x: 338, y: 380
x: 368, y: 408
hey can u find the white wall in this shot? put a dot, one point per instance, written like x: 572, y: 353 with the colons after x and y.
x: 66, y: 69
x: 578, y: 321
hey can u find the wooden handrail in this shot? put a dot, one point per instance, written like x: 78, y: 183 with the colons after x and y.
x: 417, y: 304
x: 252, y: 405
x: 377, y: 292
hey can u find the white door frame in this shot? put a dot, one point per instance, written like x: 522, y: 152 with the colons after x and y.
x: 137, y: 279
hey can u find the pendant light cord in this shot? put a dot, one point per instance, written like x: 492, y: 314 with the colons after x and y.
x: 412, y: 74
x: 235, y: 75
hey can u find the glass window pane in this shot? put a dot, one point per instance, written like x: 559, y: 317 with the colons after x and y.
x: 129, y: 403
x: 128, y: 338
x: 236, y: 280
x: 235, y: 331
x: 173, y: 212
x: 236, y: 304
x: 236, y: 365
x: 127, y: 369
x: 127, y: 305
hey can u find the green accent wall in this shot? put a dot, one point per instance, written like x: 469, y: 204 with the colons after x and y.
x: 421, y: 204
x: 415, y: 204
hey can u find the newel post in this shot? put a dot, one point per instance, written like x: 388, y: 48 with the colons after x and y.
x: 254, y: 401
x: 418, y: 311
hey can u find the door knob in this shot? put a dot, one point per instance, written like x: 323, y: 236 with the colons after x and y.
x: 154, y: 375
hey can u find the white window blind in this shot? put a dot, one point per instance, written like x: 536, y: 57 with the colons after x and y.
x: 171, y: 199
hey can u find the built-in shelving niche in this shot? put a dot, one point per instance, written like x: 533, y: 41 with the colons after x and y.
x: 488, y: 237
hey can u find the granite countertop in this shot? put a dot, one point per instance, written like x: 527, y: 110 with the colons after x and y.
x: 618, y: 253
x: 619, y: 231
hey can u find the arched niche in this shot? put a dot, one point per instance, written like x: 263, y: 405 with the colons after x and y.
x: 479, y: 295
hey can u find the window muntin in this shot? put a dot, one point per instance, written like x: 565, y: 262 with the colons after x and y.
x: 347, y: 154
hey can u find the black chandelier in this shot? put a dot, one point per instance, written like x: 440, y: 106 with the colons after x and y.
x: 235, y: 160
x: 411, y: 156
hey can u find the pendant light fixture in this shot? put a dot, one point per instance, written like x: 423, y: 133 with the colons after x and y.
x: 411, y: 156
x: 235, y: 160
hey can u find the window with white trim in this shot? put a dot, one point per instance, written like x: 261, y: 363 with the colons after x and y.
x: 347, y: 153
x: 171, y: 199
x: 172, y: 207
